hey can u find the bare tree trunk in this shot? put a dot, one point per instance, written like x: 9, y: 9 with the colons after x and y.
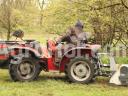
x: 41, y: 5
x: 8, y: 17
x: 9, y: 29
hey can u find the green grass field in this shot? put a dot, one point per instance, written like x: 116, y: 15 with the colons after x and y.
x: 55, y: 84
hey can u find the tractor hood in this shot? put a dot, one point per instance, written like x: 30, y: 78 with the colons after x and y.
x: 94, y: 47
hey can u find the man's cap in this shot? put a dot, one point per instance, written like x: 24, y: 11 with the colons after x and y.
x: 79, y: 24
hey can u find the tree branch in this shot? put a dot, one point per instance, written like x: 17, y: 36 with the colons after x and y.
x: 124, y: 4
x: 92, y: 8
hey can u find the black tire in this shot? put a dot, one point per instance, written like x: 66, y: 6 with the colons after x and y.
x: 32, y: 70
x: 82, y: 68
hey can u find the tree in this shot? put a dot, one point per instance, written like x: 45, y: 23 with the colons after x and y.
x: 15, y: 14
x: 5, y: 19
x: 41, y: 4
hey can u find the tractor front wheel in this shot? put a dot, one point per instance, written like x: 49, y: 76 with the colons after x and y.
x: 80, y: 70
x: 26, y: 70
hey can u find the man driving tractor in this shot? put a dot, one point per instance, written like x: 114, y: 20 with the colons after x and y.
x: 74, y: 35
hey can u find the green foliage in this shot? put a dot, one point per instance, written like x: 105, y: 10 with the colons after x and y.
x: 18, y: 15
x: 107, y: 19
x: 65, y: 14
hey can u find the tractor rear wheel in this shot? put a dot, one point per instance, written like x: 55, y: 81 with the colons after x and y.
x: 80, y: 70
x: 27, y: 70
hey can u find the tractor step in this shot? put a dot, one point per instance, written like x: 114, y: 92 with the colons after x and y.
x: 104, y: 73
x: 106, y: 65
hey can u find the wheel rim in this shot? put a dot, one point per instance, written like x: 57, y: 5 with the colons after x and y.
x: 26, y: 70
x: 80, y: 71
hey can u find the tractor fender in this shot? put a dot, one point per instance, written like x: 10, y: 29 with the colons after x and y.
x: 34, y: 53
x: 28, y: 50
x: 78, y: 51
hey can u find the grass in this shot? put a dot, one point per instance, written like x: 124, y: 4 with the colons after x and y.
x: 54, y: 84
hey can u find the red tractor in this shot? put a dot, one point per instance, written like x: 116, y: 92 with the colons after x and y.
x: 26, y: 60
x: 81, y: 64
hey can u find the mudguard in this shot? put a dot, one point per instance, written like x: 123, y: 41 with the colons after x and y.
x: 26, y: 49
x: 78, y: 51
